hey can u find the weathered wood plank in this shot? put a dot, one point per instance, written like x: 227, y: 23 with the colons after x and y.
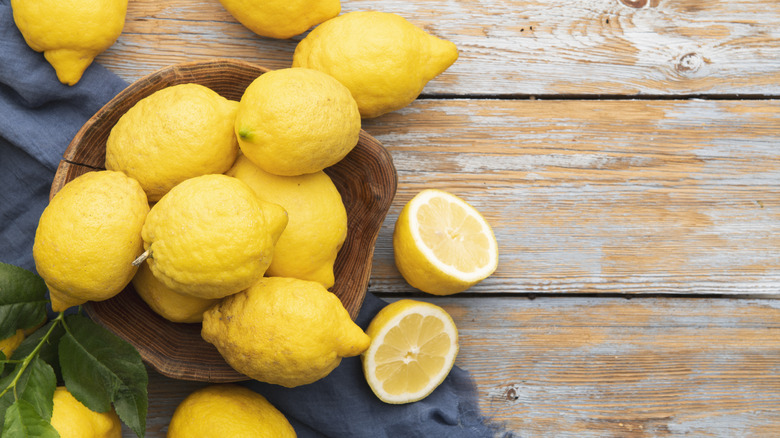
x: 533, y: 47
x: 596, y: 367
x: 601, y: 196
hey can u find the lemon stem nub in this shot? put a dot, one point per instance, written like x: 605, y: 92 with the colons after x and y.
x: 145, y: 255
x: 245, y: 134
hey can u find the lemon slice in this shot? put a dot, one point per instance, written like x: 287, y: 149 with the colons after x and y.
x: 442, y: 244
x: 413, y: 347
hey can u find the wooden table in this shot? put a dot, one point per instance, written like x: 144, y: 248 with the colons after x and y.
x: 627, y: 154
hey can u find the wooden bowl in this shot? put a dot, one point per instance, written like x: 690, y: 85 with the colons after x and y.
x: 366, y: 179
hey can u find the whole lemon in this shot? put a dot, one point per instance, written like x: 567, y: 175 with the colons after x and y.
x: 281, y: 18
x: 88, y: 237
x: 208, y: 237
x: 317, y: 224
x: 228, y: 410
x: 283, y: 331
x: 168, y: 303
x: 176, y: 133
x: 74, y: 420
x: 69, y: 33
x: 294, y: 121
x: 383, y: 59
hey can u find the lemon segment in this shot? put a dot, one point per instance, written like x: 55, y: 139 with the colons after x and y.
x: 413, y: 348
x: 442, y: 244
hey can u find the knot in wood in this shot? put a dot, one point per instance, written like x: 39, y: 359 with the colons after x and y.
x: 634, y: 3
x: 690, y: 62
x: 639, y: 4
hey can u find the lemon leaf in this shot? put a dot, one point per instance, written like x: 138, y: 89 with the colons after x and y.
x: 99, y: 368
x: 35, y: 385
x: 47, y: 350
x: 22, y: 299
x: 22, y: 421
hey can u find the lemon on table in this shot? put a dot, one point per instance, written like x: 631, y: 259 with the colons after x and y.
x: 176, y: 133
x: 70, y: 34
x: 442, y: 244
x: 281, y: 18
x: 413, y: 348
x: 317, y: 224
x: 74, y: 420
x: 208, y: 237
x: 88, y: 237
x: 383, y: 59
x: 295, y: 121
x: 166, y: 302
x: 228, y: 410
x: 284, y: 331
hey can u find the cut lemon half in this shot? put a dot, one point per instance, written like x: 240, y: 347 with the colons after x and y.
x: 413, y: 347
x: 442, y: 245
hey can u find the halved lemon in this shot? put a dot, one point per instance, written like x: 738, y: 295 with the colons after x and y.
x: 443, y: 245
x: 413, y: 347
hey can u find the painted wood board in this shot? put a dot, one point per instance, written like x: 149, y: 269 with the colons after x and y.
x: 511, y: 47
x: 635, y: 197
x: 605, y: 367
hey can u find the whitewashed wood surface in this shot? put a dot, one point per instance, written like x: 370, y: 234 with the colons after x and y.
x: 627, y: 153
x: 512, y: 47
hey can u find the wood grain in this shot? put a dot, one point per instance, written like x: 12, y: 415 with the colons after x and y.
x: 511, y: 47
x: 605, y: 367
x: 634, y: 197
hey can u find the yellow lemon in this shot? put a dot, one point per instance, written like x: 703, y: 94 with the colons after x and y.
x: 317, y: 224
x: 88, y: 237
x: 442, y: 244
x: 294, y: 121
x: 69, y: 33
x: 176, y: 133
x: 208, y: 238
x: 413, y: 348
x: 11, y: 343
x: 383, y: 59
x: 168, y: 303
x: 281, y: 18
x: 228, y: 410
x: 283, y: 331
x: 74, y: 420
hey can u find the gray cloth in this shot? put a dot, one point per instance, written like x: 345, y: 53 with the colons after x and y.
x: 38, y: 118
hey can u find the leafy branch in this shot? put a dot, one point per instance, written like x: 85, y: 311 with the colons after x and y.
x: 101, y: 370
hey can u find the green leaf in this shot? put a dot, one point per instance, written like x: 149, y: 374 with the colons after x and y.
x: 2, y: 363
x: 99, y: 368
x: 49, y: 350
x: 22, y: 299
x: 39, y: 390
x: 22, y: 421
x: 9, y: 397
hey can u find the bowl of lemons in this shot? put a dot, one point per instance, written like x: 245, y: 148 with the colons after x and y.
x: 262, y: 193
